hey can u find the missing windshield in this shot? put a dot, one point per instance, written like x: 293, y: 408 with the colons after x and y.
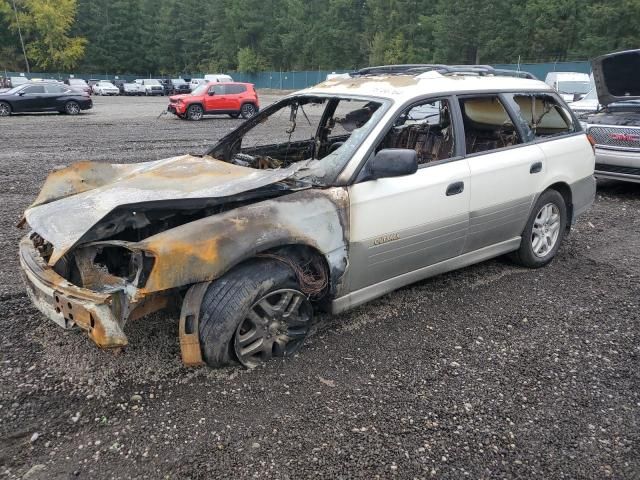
x: 301, y: 128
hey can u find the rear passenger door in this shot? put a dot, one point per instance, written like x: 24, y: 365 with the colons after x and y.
x: 505, y: 171
x: 234, y: 96
x: 557, y: 133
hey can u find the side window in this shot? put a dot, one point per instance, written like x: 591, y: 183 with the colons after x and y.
x: 487, y: 125
x: 53, y: 89
x: 544, y: 115
x: 236, y: 89
x: 34, y: 89
x: 217, y: 89
x: 426, y: 128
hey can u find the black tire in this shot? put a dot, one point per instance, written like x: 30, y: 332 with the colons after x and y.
x: 234, y: 115
x: 526, y: 255
x: 195, y: 112
x: 5, y: 109
x: 226, y: 309
x: 71, y: 108
x: 248, y: 110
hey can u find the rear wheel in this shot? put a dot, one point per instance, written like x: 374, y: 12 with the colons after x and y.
x: 248, y: 110
x: 72, y: 108
x: 544, y: 231
x: 195, y: 112
x: 5, y: 109
x: 253, y: 313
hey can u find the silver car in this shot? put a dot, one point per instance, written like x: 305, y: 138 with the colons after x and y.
x: 615, y: 128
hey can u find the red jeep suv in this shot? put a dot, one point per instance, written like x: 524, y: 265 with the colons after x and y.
x: 230, y: 98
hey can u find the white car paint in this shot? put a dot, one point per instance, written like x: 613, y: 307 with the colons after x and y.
x: 569, y: 84
x: 499, y: 187
x: 105, y: 88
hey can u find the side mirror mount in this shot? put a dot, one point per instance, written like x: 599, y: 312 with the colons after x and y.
x: 212, y: 93
x: 21, y: 94
x: 392, y: 162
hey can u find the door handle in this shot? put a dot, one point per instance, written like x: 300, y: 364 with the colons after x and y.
x: 536, y: 167
x: 455, y: 188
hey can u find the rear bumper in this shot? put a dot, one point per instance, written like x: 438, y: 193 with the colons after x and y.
x: 618, y: 164
x: 68, y: 305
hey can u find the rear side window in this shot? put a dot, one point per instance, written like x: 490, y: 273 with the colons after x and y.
x: 54, y: 89
x: 34, y: 89
x: 487, y: 124
x: 544, y: 115
x: 236, y: 89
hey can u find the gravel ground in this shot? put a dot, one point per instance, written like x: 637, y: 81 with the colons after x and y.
x: 491, y: 371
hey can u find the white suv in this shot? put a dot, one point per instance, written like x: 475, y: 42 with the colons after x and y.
x: 327, y: 199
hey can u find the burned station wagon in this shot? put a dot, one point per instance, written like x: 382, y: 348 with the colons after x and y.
x: 327, y: 199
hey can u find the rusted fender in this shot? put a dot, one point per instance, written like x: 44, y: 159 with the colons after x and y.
x: 203, y: 250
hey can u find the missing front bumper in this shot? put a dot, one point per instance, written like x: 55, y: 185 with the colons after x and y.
x: 68, y: 305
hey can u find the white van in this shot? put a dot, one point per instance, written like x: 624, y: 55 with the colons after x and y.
x: 218, y: 78
x: 570, y: 85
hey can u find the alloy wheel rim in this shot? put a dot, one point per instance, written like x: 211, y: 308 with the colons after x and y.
x: 275, y: 326
x: 72, y: 108
x: 248, y: 110
x: 196, y: 113
x: 4, y: 109
x: 546, y: 230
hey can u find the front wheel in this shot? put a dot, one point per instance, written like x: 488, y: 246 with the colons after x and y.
x: 544, y: 231
x: 195, y: 112
x: 5, y: 109
x: 253, y: 313
x: 248, y: 110
x: 72, y: 108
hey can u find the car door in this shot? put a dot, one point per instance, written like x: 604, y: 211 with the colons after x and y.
x: 235, y: 93
x: 32, y: 98
x: 505, y: 170
x: 402, y: 224
x: 214, y: 99
x: 53, y: 98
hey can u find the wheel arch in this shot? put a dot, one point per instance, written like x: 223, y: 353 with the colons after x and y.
x: 564, y: 189
x: 206, y: 249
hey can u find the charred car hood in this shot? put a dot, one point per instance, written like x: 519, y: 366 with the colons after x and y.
x: 73, y: 200
x: 617, y: 76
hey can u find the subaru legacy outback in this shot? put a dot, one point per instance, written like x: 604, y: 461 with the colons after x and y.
x: 329, y: 198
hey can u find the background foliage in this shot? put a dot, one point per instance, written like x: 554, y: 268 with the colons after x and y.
x: 172, y: 36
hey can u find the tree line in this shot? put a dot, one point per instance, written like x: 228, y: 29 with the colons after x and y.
x: 173, y: 36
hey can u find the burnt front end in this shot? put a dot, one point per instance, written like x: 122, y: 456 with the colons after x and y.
x: 80, y: 290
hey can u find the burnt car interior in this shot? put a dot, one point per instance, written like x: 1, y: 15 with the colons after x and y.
x: 487, y: 125
x: 544, y: 115
x: 425, y: 128
x: 307, y: 128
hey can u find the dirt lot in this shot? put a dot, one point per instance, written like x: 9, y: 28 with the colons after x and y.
x: 491, y: 371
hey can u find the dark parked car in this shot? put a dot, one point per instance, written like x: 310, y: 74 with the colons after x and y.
x: 175, y: 86
x: 43, y: 97
x: 120, y: 85
x: 78, y: 84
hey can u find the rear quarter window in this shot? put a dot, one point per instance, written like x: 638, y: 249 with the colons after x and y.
x: 236, y: 89
x: 544, y: 115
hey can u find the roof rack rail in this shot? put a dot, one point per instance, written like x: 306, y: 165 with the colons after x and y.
x: 416, y: 69
x: 394, y: 69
